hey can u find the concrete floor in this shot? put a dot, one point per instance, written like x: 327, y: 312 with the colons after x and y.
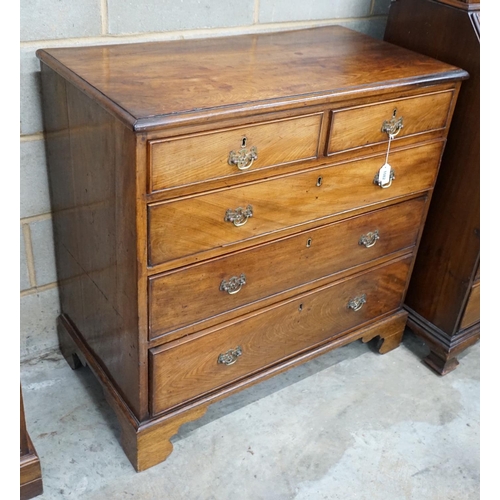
x: 351, y: 424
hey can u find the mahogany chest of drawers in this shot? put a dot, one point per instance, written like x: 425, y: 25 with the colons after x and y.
x: 222, y: 211
x: 443, y: 295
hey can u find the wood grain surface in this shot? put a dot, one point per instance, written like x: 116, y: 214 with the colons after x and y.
x: 192, y: 294
x: 138, y: 138
x: 192, y: 225
x: 442, y: 301
x: 472, y: 310
x: 450, y: 246
x: 155, y: 83
x: 362, y: 126
x: 30, y: 472
x: 91, y: 158
x: 190, y: 369
x: 199, y: 158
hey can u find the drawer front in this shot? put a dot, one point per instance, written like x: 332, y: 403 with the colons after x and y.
x: 201, y: 292
x: 193, y: 225
x: 189, y: 160
x: 362, y: 126
x: 471, y: 314
x: 196, y: 367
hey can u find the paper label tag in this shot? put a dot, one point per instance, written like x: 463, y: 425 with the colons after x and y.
x: 384, y: 174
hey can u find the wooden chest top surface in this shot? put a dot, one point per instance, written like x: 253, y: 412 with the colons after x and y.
x: 150, y: 84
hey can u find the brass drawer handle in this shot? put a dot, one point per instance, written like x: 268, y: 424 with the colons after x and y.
x: 244, y: 158
x: 357, y: 303
x: 230, y: 357
x: 239, y: 216
x: 378, y: 182
x: 393, y: 126
x: 234, y: 285
x: 369, y: 239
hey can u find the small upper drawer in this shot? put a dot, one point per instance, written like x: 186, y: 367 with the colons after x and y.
x: 180, y: 161
x: 362, y: 126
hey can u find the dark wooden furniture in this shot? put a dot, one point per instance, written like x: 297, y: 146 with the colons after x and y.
x: 31, y: 472
x: 220, y: 213
x: 443, y: 296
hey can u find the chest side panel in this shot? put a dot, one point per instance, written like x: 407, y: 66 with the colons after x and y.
x: 91, y: 161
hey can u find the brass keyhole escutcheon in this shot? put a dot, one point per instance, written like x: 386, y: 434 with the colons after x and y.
x: 393, y: 126
x: 244, y: 142
x: 319, y: 181
x: 309, y: 242
x: 301, y: 307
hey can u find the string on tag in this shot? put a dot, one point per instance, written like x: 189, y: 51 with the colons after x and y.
x: 391, y: 137
x: 385, y: 175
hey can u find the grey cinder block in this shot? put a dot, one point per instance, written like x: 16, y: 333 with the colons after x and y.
x: 30, y: 93
x: 53, y: 19
x: 35, y: 197
x: 43, y: 252
x: 127, y: 16
x: 25, y: 280
x: 273, y: 11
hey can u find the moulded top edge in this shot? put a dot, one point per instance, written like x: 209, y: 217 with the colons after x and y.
x: 153, y: 84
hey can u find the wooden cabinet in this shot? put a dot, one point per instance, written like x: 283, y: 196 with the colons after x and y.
x: 221, y: 213
x: 443, y: 296
x: 30, y: 470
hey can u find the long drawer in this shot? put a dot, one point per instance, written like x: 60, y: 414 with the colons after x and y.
x: 202, y: 291
x: 180, y: 161
x: 234, y: 350
x: 196, y: 224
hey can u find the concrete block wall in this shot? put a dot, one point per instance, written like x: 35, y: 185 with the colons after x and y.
x: 53, y: 23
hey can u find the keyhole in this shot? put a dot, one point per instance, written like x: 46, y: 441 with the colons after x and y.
x: 244, y: 142
x: 309, y: 242
x: 319, y: 181
x: 300, y: 307
x: 394, y: 113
